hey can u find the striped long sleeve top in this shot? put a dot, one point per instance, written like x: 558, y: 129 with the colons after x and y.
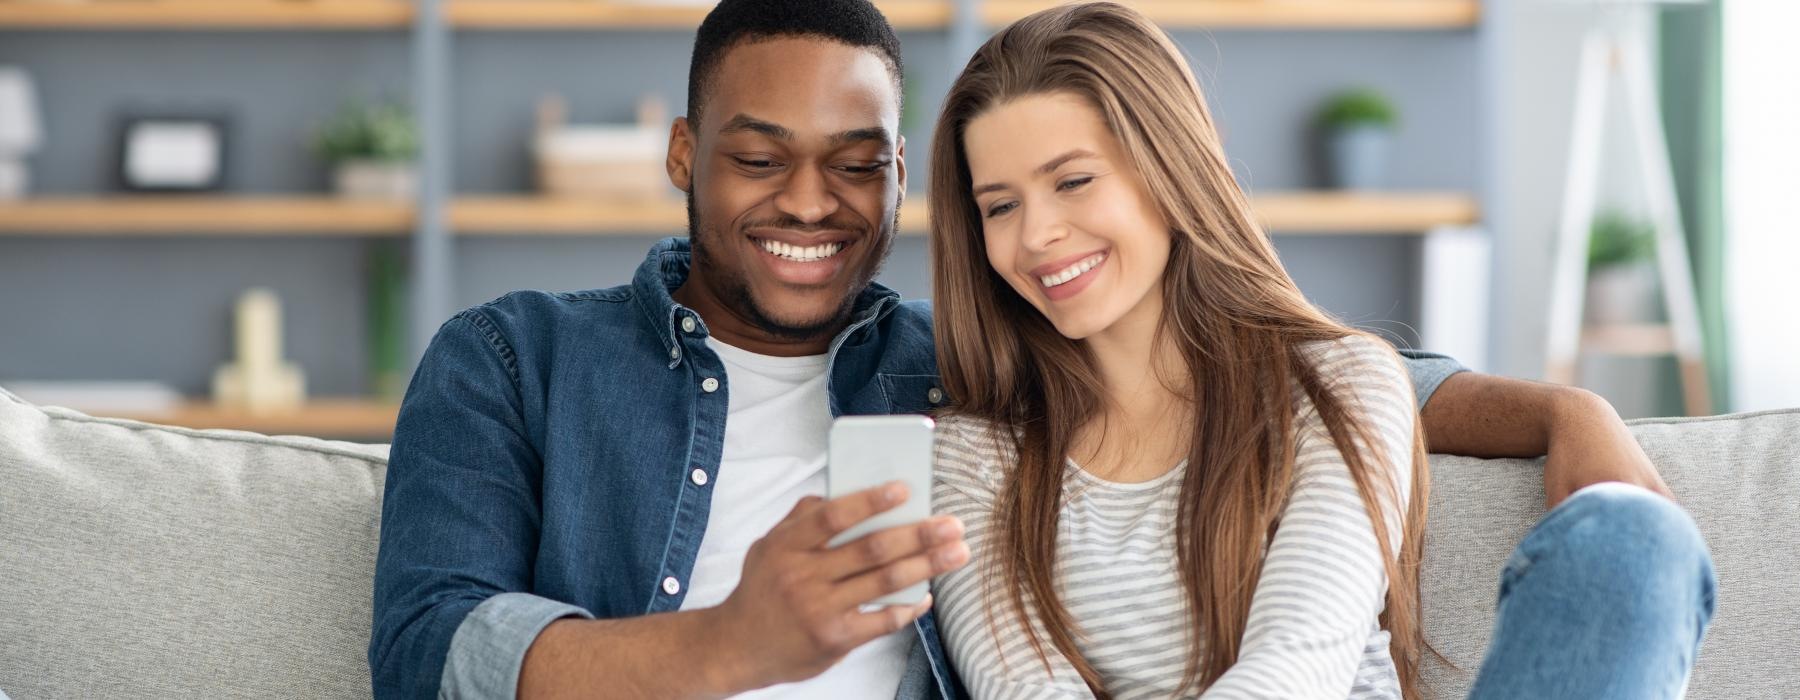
x: 1313, y: 630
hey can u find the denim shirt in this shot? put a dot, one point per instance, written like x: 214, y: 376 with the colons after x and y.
x: 544, y: 466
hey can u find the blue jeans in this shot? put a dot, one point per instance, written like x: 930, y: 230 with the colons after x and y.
x: 1607, y: 597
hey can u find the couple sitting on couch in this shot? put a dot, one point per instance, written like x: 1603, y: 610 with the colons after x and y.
x: 1161, y: 471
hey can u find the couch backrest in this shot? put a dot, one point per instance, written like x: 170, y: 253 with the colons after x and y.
x: 144, y: 561
x: 1738, y: 475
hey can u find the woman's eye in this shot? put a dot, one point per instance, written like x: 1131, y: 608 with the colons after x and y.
x: 1073, y: 183
x: 1000, y: 208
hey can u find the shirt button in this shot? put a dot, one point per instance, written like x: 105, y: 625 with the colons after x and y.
x: 675, y: 353
x: 935, y: 396
x: 699, y: 477
x: 688, y: 325
x: 709, y: 385
x: 671, y: 586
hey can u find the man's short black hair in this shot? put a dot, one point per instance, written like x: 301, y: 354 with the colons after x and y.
x: 854, y: 23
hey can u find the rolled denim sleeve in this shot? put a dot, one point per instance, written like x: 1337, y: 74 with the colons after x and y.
x: 1428, y: 370
x: 460, y: 520
x: 488, y: 650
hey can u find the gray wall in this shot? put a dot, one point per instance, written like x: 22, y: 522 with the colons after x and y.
x: 159, y: 309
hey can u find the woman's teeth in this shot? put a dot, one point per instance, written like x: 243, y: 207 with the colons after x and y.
x: 1073, y: 271
x: 802, y: 253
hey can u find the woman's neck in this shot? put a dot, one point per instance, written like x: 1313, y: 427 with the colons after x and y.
x: 1143, y: 427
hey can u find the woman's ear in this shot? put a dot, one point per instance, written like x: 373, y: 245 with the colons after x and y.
x: 680, y: 163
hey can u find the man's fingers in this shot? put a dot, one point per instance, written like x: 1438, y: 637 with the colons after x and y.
x: 878, y: 549
x: 817, y: 525
x: 864, y: 627
x: 866, y: 587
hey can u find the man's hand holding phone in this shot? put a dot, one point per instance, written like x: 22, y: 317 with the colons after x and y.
x: 799, y: 606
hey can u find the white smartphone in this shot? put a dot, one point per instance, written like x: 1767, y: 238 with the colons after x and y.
x: 868, y: 451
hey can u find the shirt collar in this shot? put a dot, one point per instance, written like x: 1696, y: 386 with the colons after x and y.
x: 664, y: 270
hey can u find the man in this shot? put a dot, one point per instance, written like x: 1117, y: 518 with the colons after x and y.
x: 617, y: 492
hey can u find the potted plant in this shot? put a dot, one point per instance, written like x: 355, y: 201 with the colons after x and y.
x: 1622, y: 278
x: 371, y: 148
x: 1357, y: 126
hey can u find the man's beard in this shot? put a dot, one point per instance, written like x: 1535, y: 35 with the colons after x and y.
x: 730, y: 288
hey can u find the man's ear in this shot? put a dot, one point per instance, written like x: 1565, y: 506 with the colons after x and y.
x: 681, y: 155
x: 900, y: 164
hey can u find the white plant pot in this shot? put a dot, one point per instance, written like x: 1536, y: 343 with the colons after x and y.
x: 1620, y: 294
x: 376, y: 179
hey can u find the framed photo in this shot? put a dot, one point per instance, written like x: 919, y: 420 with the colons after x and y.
x: 173, y: 152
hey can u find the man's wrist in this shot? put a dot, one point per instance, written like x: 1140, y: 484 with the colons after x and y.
x: 724, y: 671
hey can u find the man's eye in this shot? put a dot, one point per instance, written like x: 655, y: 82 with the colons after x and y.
x: 870, y: 169
x: 1073, y: 183
x: 1000, y: 208
x: 755, y: 162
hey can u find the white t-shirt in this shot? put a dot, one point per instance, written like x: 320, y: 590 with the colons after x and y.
x: 775, y: 429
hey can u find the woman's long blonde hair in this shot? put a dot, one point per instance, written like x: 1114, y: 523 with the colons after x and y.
x: 1230, y: 309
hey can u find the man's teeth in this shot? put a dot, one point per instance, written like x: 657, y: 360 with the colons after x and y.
x: 1072, y: 271
x: 802, y: 253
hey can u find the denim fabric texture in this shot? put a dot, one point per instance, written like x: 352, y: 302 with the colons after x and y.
x: 1607, y: 598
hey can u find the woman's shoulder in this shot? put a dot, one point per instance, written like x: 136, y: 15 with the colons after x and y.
x: 1361, y: 369
x: 971, y: 452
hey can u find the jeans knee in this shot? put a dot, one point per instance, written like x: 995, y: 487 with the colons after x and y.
x: 1636, y: 533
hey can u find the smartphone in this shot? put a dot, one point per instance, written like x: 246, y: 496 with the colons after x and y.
x: 868, y: 451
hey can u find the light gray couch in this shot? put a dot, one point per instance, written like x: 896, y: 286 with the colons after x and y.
x: 145, y: 561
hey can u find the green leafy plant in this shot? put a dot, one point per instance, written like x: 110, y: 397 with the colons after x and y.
x: 1618, y: 239
x: 1358, y: 107
x: 380, y: 131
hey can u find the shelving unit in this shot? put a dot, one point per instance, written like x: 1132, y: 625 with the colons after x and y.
x: 431, y: 223
x: 208, y: 14
x: 586, y: 14
x: 346, y: 418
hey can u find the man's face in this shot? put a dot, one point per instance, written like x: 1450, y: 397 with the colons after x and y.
x: 794, y: 178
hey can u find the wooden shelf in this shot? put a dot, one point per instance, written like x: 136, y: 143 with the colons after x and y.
x: 535, y: 215
x: 1276, y: 14
x: 166, y: 216
x: 336, y: 418
x: 207, y: 14
x: 593, y: 14
x: 1397, y: 213
x: 1628, y: 340
x: 1303, y: 213
x: 203, y: 216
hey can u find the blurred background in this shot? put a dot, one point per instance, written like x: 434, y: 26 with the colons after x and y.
x: 254, y: 213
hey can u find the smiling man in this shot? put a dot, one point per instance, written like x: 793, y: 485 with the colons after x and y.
x: 617, y: 492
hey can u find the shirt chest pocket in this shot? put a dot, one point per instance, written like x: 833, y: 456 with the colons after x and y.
x: 911, y: 393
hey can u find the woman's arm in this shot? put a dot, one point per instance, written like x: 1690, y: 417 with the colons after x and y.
x: 1314, y: 613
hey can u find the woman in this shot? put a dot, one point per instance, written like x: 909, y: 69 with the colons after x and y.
x: 1167, y: 460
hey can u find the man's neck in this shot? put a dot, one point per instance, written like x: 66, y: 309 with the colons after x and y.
x: 731, y: 328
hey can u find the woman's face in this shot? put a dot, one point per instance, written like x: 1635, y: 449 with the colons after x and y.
x: 1066, y: 218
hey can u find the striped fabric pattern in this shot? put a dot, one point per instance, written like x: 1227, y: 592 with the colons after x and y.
x: 1313, y: 629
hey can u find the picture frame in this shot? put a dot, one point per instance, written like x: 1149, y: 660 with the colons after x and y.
x: 172, y: 152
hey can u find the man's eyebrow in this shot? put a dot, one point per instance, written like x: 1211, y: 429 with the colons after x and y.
x: 1048, y: 167
x: 745, y: 122
x: 874, y: 133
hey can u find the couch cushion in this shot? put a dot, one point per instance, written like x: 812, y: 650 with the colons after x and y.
x: 1739, y: 476
x: 145, y: 561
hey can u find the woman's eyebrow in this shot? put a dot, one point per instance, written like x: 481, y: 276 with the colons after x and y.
x: 1045, y: 169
